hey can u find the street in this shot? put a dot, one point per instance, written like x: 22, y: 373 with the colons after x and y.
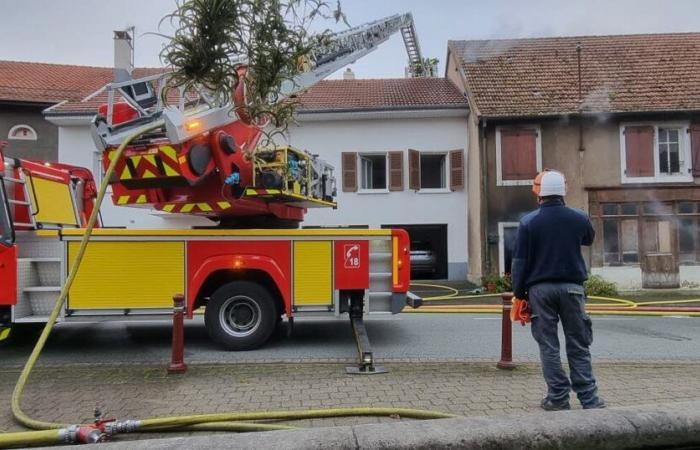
x: 425, y: 337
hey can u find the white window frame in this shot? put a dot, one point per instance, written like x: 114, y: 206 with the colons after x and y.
x: 34, y: 136
x: 501, y: 244
x: 360, y: 189
x: 444, y: 190
x: 685, y: 175
x: 538, y: 155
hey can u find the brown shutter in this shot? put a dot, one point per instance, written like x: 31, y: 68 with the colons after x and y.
x: 349, y: 169
x: 396, y: 171
x: 639, y: 151
x: 414, y: 169
x: 695, y: 148
x: 518, y: 154
x: 457, y: 170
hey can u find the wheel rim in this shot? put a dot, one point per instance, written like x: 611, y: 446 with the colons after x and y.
x: 240, y: 316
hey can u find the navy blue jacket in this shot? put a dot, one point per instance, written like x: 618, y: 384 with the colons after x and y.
x: 548, y: 247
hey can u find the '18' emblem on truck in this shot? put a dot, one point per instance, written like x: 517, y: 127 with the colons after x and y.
x: 352, y: 256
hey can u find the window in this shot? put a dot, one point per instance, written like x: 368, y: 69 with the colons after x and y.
x: 376, y: 172
x: 373, y: 172
x: 518, y: 155
x: 620, y: 233
x: 656, y: 152
x: 22, y: 133
x: 688, y: 232
x: 429, y: 171
x: 433, y: 171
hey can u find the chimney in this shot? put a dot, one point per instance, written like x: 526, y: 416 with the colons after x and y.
x: 123, y: 54
x: 348, y: 74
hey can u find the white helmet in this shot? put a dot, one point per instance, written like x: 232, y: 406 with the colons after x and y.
x: 549, y: 182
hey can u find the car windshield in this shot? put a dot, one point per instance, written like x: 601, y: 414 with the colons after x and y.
x: 7, y: 237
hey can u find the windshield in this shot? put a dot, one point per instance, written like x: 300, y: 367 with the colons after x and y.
x: 7, y: 235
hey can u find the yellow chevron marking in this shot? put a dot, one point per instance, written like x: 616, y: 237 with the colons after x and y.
x: 126, y: 174
x: 251, y: 192
x: 187, y: 208
x: 4, y: 334
x: 123, y: 199
x: 204, y: 207
x: 110, y: 154
x: 272, y: 191
x: 141, y: 199
x: 151, y: 159
x: 148, y: 174
x: 224, y: 205
x: 169, y: 151
x: 168, y: 208
x: 136, y: 160
x: 169, y: 171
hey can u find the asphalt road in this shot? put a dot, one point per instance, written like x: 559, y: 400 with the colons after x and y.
x: 401, y: 337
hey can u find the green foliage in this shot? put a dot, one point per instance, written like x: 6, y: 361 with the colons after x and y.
x: 213, y: 39
x: 599, y: 286
x: 497, y: 283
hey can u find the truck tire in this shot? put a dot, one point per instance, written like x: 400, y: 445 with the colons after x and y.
x: 240, y: 315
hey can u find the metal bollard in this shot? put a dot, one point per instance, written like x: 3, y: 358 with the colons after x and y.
x: 506, y: 362
x: 177, y: 360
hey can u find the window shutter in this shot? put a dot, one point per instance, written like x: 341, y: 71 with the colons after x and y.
x: 413, y: 169
x: 518, y: 154
x: 457, y: 170
x: 396, y: 171
x: 349, y: 169
x: 639, y: 151
x: 695, y: 148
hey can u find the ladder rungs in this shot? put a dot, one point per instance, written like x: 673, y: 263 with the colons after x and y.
x: 22, y: 224
x: 18, y: 202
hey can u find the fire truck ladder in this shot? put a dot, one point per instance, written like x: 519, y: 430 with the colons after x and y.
x: 10, y: 184
x: 416, y: 65
x: 340, y: 49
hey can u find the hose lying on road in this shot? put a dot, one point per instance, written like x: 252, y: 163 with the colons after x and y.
x: 57, y: 433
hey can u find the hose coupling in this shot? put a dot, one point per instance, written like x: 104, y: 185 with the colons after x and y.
x: 122, y: 426
x: 81, y: 434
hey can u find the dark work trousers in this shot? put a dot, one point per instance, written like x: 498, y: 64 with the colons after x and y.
x: 551, y: 302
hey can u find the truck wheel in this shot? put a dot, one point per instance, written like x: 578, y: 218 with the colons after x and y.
x: 240, y: 315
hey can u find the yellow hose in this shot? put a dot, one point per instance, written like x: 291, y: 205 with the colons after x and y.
x: 201, y: 422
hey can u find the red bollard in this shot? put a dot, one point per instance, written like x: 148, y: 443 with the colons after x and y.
x: 506, y: 361
x: 177, y: 361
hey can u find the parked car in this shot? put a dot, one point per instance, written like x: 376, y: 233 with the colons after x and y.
x: 423, y: 259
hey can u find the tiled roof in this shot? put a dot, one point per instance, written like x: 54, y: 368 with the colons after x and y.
x: 389, y: 93
x: 626, y: 73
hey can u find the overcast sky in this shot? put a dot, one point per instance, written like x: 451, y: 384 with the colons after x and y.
x: 80, y: 31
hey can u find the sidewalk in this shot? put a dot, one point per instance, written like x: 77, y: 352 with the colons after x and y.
x: 70, y: 393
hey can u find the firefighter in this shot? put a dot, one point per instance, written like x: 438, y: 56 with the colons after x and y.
x: 548, y: 270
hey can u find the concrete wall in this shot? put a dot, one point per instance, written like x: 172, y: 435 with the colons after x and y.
x: 45, y: 148
x: 329, y: 138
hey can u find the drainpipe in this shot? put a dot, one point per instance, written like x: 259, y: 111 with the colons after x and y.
x: 485, y: 248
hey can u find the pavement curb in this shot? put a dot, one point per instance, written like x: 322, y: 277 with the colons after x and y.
x: 651, y: 426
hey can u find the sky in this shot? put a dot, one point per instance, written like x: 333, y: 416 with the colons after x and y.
x: 80, y: 31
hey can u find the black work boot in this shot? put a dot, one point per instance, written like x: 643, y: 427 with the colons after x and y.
x: 549, y: 405
x: 597, y: 404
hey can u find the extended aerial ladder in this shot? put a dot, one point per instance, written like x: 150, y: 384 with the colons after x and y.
x: 205, y: 157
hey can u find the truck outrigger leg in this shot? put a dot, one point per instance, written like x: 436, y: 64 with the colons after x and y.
x: 365, y: 365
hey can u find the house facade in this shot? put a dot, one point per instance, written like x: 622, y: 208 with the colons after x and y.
x: 399, y: 149
x: 618, y: 116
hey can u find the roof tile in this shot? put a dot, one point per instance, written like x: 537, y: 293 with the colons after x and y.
x: 624, y: 73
